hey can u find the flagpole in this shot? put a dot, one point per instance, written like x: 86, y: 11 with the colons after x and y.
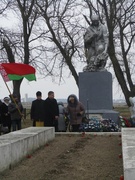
x: 13, y: 98
x: 8, y: 88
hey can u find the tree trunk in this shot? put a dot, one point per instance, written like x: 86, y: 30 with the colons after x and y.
x: 16, y: 88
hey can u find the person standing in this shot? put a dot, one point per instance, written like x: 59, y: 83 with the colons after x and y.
x: 75, y: 109
x: 15, y: 108
x: 61, y: 119
x: 37, y: 109
x: 5, y: 115
x: 51, y: 111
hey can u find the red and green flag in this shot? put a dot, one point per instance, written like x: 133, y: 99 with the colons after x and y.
x: 17, y: 71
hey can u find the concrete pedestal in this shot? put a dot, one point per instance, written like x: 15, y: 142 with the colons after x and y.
x: 128, y: 151
x: 16, y: 145
x: 95, y: 92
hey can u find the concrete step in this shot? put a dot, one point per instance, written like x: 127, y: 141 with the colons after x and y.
x: 16, y: 145
x: 128, y: 151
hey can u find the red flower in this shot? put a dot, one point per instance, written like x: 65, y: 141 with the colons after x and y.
x: 29, y: 156
x: 46, y: 144
x: 120, y: 155
x: 83, y: 134
x: 121, y: 177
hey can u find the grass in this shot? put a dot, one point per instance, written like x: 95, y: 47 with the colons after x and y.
x: 26, y: 122
x: 123, y: 110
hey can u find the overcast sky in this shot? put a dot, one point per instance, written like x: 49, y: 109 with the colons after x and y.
x: 45, y: 85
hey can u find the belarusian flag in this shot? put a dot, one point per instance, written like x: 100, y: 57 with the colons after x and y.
x: 17, y: 71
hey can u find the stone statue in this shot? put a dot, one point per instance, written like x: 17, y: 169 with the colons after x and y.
x: 96, y: 45
x: 132, y: 107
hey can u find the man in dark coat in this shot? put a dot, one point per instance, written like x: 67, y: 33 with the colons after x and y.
x: 37, y: 109
x: 16, y: 109
x: 51, y: 111
x: 5, y: 115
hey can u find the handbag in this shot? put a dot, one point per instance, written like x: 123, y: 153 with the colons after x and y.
x: 39, y: 123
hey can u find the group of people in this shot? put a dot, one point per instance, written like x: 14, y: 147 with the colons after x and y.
x: 11, y: 112
x: 48, y: 111
x: 45, y: 110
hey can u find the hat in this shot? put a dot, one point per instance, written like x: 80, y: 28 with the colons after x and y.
x: 6, y: 99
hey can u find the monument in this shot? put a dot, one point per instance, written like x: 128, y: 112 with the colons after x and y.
x: 132, y: 110
x: 95, y: 82
x: 132, y: 107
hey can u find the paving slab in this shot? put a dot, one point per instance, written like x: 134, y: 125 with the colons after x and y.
x: 128, y: 151
x: 89, y: 133
x: 128, y: 131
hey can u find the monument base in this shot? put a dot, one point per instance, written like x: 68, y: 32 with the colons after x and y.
x: 95, y: 92
x: 104, y: 114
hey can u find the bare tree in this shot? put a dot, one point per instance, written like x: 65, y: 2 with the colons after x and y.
x: 16, y: 45
x: 120, y: 20
x: 4, y: 5
x: 63, y: 34
x: 51, y: 44
x: 51, y: 37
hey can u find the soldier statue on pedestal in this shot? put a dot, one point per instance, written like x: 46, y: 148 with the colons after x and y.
x: 96, y: 45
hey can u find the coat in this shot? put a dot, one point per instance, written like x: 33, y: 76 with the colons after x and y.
x: 51, y: 110
x: 5, y: 115
x: 0, y: 110
x: 37, y: 110
x: 15, y: 114
x: 74, y: 111
x: 61, y: 119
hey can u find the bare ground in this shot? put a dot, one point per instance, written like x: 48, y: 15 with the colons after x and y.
x: 72, y: 157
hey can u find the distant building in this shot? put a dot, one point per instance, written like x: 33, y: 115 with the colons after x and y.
x: 26, y: 98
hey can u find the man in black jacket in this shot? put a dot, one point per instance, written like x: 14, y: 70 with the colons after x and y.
x: 5, y: 115
x: 37, y: 109
x: 51, y: 111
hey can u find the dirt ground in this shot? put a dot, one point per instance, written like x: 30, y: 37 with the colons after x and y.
x: 72, y: 157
